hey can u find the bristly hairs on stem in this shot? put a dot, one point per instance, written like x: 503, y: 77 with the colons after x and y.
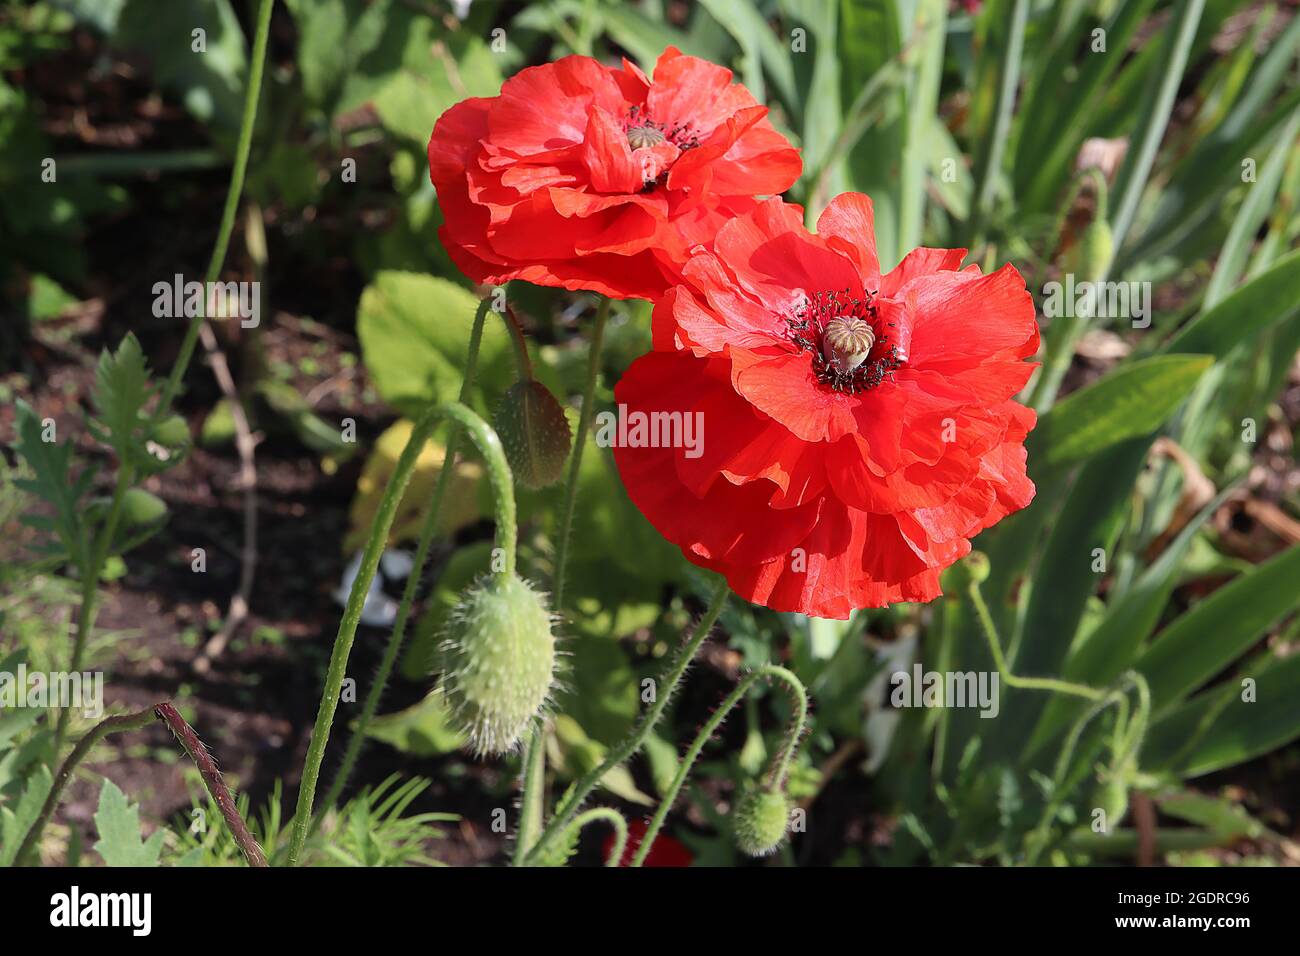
x: 777, y: 770
x: 193, y: 746
x: 579, y: 791
x: 506, y: 535
x: 424, y: 544
x: 534, y: 799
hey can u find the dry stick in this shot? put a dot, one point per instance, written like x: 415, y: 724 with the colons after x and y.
x: 193, y: 746
x: 245, y: 444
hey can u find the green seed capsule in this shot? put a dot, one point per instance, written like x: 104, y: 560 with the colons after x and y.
x: 498, y: 661
x: 139, y: 507
x: 759, y: 820
x: 534, y: 433
x: 171, y: 432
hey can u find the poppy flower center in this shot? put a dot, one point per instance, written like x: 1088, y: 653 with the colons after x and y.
x: 850, y: 350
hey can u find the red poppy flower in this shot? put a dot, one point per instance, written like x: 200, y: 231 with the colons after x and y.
x: 857, y: 428
x: 665, y: 852
x: 588, y: 177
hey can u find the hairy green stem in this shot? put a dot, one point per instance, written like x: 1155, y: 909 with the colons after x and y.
x: 615, y: 820
x: 1026, y: 683
x: 90, y: 590
x: 532, y: 804
x: 251, y: 94
x: 579, y: 443
x: 423, y: 546
x: 506, y: 534
x: 1125, y: 748
x: 568, y: 807
x: 109, y: 725
x: 780, y: 762
x: 536, y: 740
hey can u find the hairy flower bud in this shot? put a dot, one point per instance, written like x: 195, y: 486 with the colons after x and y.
x: 759, y: 820
x: 534, y: 433
x: 498, y: 660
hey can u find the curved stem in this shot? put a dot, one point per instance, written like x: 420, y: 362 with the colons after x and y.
x: 1115, y: 697
x: 424, y: 544
x: 568, y: 808
x: 615, y: 820
x: 1026, y: 683
x: 780, y: 762
x: 251, y: 94
x: 109, y: 725
x: 499, y: 474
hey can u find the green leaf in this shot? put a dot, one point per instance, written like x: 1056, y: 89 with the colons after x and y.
x: 1215, y: 632
x: 121, y: 389
x: 424, y: 729
x: 742, y: 20
x: 17, y: 819
x: 211, y: 82
x: 1135, y: 399
x: 413, y: 329
x: 1264, y: 301
x: 1110, y: 648
x: 1218, y: 728
x: 118, y: 823
x: 1157, y: 103
x: 52, y: 482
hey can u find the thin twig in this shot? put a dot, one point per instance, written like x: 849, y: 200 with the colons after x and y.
x: 245, y: 445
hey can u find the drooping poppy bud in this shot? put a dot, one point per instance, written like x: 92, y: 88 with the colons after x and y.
x: 498, y: 660
x: 534, y: 433
x: 759, y: 820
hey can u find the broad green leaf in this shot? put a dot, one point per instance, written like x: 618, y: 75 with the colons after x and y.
x: 1215, y: 632
x: 1253, y: 307
x: 463, y: 505
x: 118, y: 823
x: 1111, y: 647
x: 1135, y: 399
x: 210, y: 81
x: 424, y: 729
x: 1067, y: 573
x: 1229, y: 723
x: 413, y: 329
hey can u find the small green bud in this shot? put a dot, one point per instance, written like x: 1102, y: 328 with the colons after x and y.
x: 759, y: 820
x: 139, y: 507
x: 972, y: 569
x: 171, y: 432
x: 498, y: 661
x: 534, y: 433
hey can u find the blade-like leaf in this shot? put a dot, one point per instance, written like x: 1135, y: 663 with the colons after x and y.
x: 1135, y: 399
